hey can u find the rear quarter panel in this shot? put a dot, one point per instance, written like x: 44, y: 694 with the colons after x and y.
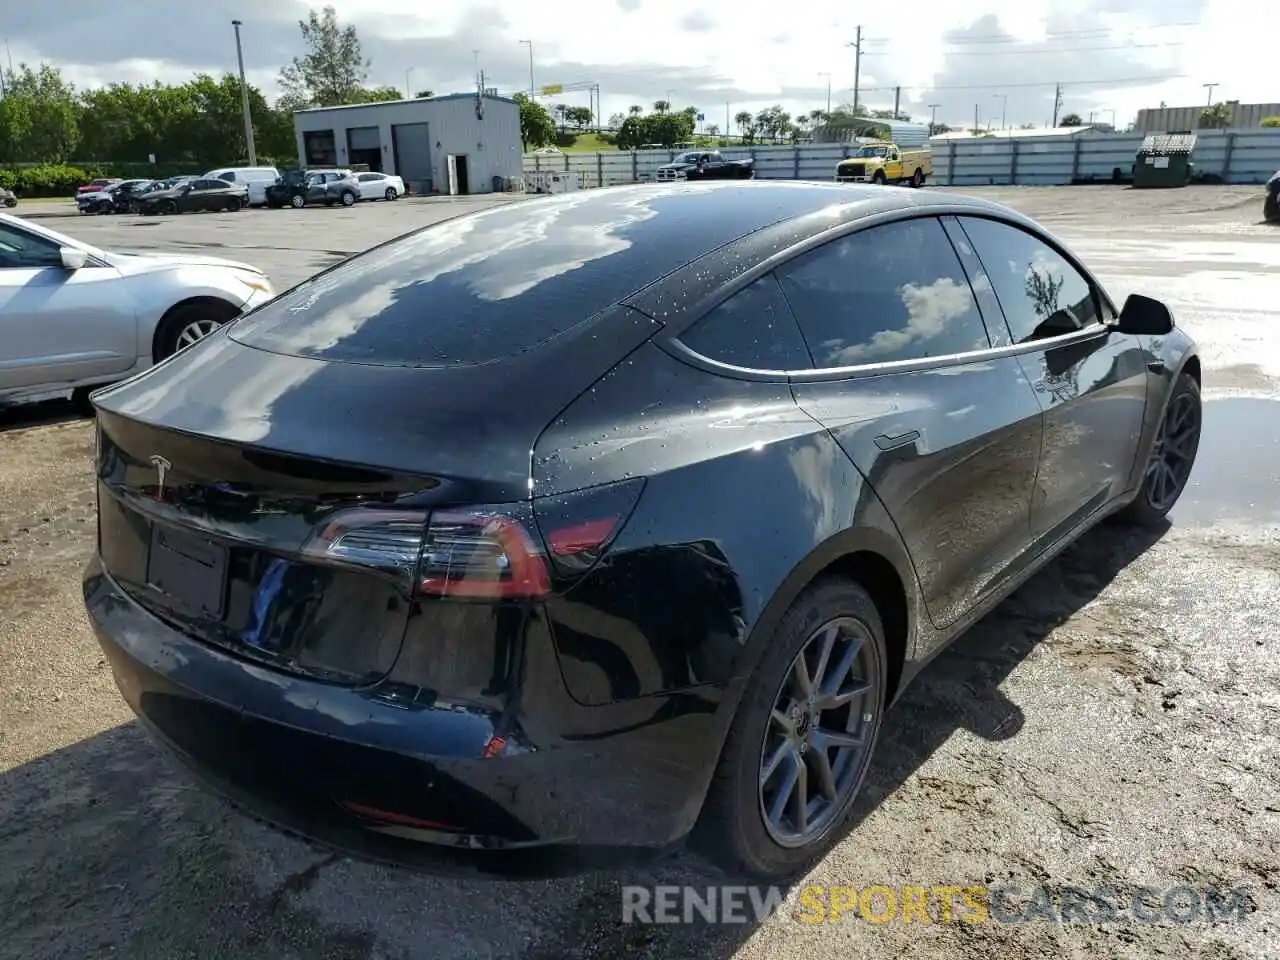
x: 746, y: 499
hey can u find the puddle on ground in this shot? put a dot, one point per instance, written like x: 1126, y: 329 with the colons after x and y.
x: 1237, y: 473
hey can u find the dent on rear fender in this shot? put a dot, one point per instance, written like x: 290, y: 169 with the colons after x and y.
x: 742, y: 487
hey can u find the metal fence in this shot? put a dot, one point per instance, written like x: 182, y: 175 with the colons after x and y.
x: 1233, y: 156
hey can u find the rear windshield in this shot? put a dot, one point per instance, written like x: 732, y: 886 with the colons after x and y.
x: 490, y: 285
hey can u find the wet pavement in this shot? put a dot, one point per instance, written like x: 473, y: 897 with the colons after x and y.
x: 1236, y: 479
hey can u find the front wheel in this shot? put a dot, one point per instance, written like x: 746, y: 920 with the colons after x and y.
x: 169, y: 207
x: 391, y: 193
x: 297, y: 201
x: 188, y: 324
x: 878, y: 178
x: 1172, y: 456
x: 348, y: 198
x: 798, y: 750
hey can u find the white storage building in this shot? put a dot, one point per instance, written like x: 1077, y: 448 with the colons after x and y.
x: 451, y: 144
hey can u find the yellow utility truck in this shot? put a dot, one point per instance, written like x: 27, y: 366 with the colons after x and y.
x: 886, y: 163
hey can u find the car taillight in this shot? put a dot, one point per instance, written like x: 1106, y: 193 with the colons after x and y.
x: 482, y: 552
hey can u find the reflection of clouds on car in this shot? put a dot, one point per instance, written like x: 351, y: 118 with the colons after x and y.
x: 931, y: 311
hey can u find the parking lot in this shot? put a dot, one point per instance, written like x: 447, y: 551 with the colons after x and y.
x: 1112, y: 724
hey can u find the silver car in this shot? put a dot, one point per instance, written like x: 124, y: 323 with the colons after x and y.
x: 73, y: 317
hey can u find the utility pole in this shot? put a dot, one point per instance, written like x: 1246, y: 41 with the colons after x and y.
x: 897, y: 97
x: 828, y: 76
x: 1004, y: 108
x: 975, y: 119
x: 857, y: 66
x: 244, y: 100
x: 933, y: 117
x: 532, y: 88
x: 1057, y: 104
x: 1209, y: 87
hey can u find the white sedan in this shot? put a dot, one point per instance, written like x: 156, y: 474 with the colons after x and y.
x: 380, y: 186
x: 73, y: 317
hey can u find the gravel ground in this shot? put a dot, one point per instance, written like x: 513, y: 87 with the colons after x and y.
x: 1111, y: 724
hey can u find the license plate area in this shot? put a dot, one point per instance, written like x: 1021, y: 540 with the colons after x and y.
x: 188, y: 569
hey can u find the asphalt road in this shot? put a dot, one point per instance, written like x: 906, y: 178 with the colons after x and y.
x: 1112, y: 724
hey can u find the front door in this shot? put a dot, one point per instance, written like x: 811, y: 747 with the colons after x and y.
x: 58, y: 325
x: 949, y: 442
x: 1091, y: 380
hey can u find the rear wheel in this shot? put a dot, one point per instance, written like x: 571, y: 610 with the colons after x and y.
x: 233, y: 205
x: 348, y: 198
x: 1172, y: 456
x: 391, y: 193
x: 297, y: 201
x: 190, y: 323
x: 169, y: 206
x: 1271, y: 208
x: 917, y: 178
x: 799, y: 747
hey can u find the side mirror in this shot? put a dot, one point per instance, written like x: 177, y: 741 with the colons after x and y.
x: 1144, y: 316
x: 73, y: 259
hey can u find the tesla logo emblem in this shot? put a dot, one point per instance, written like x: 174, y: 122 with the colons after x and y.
x: 162, y: 470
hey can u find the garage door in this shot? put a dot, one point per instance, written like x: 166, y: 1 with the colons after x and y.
x: 412, y: 145
x: 363, y: 138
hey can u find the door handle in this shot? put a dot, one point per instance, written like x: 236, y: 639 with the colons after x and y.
x: 886, y: 442
x: 1157, y: 366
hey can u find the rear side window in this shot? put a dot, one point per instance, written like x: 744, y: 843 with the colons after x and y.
x: 229, y: 176
x: 894, y: 292
x: 754, y: 328
x: 1041, y: 293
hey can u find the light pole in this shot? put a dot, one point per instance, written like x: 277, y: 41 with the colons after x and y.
x: 529, y: 44
x: 1209, y: 87
x: 244, y: 100
x: 933, y: 117
x: 1004, y: 108
x: 408, y: 88
x: 828, y: 76
x: 857, y: 66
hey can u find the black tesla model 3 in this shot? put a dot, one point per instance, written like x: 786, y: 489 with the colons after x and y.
x: 604, y: 519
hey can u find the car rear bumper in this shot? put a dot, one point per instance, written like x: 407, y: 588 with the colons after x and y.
x: 361, y: 772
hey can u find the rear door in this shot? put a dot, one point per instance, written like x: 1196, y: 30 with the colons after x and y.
x: 1091, y: 381
x: 59, y: 325
x: 946, y: 430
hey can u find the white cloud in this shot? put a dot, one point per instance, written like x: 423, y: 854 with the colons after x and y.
x: 742, y: 53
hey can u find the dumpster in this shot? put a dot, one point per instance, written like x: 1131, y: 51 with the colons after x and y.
x: 1164, y: 160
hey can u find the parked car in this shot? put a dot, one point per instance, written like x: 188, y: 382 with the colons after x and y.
x: 1271, y: 205
x: 75, y: 316
x: 193, y: 195
x: 886, y: 163
x: 706, y: 165
x: 8, y: 198
x: 683, y: 504
x: 94, y: 186
x: 379, y: 186
x: 298, y: 188
x: 113, y: 198
x: 254, y: 179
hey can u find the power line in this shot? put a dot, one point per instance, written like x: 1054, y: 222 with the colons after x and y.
x: 1007, y: 86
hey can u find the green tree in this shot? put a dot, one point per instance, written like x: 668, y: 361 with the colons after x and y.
x: 580, y: 117
x: 424, y: 94
x: 1270, y: 122
x: 332, y: 70
x: 1217, y: 116
x: 661, y: 106
x: 40, y: 126
x: 1071, y: 120
x: 536, y: 127
x: 635, y: 110
x: 376, y: 95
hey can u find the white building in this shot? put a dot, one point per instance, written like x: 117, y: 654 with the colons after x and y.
x: 452, y: 144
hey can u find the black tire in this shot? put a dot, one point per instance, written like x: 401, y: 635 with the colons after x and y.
x: 917, y: 178
x: 391, y: 193
x: 297, y: 201
x: 169, y: 206
x: 181, y: 317
x: 732, y: 830
x: 1175, y: 446
x: 1271, y: 208
x: 80, y: 399
x: 348, y: 198
x: 234, y: 205
x: 878, y: 178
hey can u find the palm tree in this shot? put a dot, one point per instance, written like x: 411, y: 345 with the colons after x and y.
x: 743, y: 119
x: 661, y: 106
x: 635, y: 110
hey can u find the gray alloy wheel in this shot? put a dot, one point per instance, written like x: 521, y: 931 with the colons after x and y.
x: 348, y: 198
x: 391, y: 193
x: 818, y: 735
x: 1172, y: 457
x: 297, y: 201
x: 194, y: 331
